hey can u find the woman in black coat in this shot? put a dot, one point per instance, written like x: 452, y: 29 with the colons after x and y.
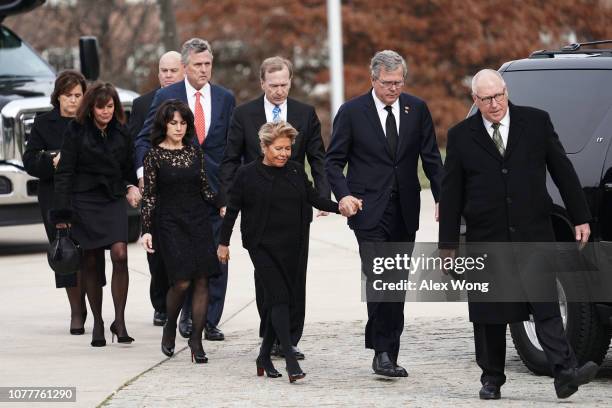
x: 94, y: 177
x: 41, y: 158
x: 276, y: 199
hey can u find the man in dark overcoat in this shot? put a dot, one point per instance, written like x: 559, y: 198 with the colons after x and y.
x: 495, y: 176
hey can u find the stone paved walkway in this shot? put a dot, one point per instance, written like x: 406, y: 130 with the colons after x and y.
x: 438, y: 354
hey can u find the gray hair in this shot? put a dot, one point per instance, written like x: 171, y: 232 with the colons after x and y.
x: 195, y: 45
x: 389, y: 60
x: 486, y: 74
x: 274, y: 64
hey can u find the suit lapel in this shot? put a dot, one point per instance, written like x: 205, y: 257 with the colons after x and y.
x: 215, y: 107
x: 369, y: 109
x: 294, y: 118
x: 480, y: 135
x: 258, y: 115
x: 516, y: 129
x: 404, y: 111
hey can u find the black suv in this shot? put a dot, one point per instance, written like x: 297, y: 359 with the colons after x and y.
x: 574, y: 85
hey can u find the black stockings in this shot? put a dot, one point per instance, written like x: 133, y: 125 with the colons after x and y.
x: 199, y: 306
x: 279, y: 326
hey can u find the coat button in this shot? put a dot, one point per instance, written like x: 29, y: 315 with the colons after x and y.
x: 504, y: 171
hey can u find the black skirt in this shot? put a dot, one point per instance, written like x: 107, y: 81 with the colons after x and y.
x: 99, y: 221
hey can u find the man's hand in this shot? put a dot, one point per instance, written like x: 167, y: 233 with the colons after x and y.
x: 222, y: 211
x: 223, y: 253
x: 147, y: 242
x: 141, y: 185
x: 437, y: 215
x: 322, y: 213
x: 444, y: 254
x: 583, y: 231
x: 62, y: 225
x: 349, y: 205
x: 133, y: 196
x: 56, y: 160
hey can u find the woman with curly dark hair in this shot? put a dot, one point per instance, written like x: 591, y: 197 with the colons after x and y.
x: 175, y: 188
x: 93, y: 179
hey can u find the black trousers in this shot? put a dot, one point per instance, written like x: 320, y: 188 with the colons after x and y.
x: 158, y: 289
x: 490, y: 341
x: 217, y: 286
x: 297, y: 308
x: 386, y: 319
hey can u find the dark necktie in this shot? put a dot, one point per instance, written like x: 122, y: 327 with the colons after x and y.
x: 497, y: 139
x: 391, y: 131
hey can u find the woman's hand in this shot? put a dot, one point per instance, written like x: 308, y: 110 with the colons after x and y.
x: 223, y: 253
x: 147, y: 242
x: 222, y: 211
x: 56, y: 160
x: 133, y: 196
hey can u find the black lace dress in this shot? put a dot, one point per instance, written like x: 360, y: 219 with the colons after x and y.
x: 175, y: 188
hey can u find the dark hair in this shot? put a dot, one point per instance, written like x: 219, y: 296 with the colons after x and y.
x: 98, y: 95
x: 64, y: 83
x: 165, y: 114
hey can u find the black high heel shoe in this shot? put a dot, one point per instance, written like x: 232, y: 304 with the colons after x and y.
x: 79, y: 330
x: 99, y: 342
x: 197, y: 355
x: 120, y: 339
x: 168, y: 350
x: 293, y: 377
x: 294, y: 371
x: 266, y: 365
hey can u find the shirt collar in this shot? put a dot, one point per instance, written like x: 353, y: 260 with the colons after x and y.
x: 505, y: 122
x: 381, y: 106
x: 268, y: 106
x: 190, y: 90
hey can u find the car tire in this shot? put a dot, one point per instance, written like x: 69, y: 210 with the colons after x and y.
x: 589, y: 338
x: 133, y: 228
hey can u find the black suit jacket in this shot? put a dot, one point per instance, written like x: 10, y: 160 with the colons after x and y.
x: 250, y: 195
x: 140, y: 110
x: 504, y: 199
x: 359, y: 140
x: 243, y: 140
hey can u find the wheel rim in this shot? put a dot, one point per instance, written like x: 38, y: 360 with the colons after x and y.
x: 530, y: 325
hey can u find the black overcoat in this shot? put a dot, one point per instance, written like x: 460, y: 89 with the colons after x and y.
x: 504, y: 199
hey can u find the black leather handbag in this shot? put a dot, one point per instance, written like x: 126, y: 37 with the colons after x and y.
x: 64, y: 254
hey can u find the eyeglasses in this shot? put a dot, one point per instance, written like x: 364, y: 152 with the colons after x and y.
x: 391, y: 84
x: 487, y: 100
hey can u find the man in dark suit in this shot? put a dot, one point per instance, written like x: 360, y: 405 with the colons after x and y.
x: 495, y: 176
x: 381, y: 136
x: 243, y: 146
x: 170, y: 71
x: 212, y: 106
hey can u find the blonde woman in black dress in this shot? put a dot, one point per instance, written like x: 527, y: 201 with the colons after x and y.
x: 275, y: 198
x: 175, y: 188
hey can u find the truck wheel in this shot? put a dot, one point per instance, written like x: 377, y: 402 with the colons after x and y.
x: 588, y: 337
x: 133, y: 228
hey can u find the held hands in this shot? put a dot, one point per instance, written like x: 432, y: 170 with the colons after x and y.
x: 583, y: 231
x: 349, y: 205
x: 133, y: 196
x: 147, y: 242
x: 223, y: 253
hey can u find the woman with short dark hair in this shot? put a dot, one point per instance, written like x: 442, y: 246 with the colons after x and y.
x: 93, y: 179
x: 40, y: 160
x: 275, y: 198
x: 175, y: 188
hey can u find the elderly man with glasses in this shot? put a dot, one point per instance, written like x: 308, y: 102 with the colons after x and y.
x: 495, y: 176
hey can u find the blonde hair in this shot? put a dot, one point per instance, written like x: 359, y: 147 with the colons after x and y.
x: 271, y: 131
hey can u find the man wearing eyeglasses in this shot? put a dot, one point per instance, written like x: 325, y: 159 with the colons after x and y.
x: 381, y: 135
x: 495, y: 176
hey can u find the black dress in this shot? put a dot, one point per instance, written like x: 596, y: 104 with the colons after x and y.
x: 175, y: 190
x: 276, y: 207
x: 91, y: 181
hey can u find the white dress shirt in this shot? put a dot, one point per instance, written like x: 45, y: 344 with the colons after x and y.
x: 269, y: 106
x: 504, y: 127
x: 382, y: 113
x: 204, y: 101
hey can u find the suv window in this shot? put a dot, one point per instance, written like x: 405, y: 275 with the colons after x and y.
x: 577, y: 100
x: 18, y: 60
